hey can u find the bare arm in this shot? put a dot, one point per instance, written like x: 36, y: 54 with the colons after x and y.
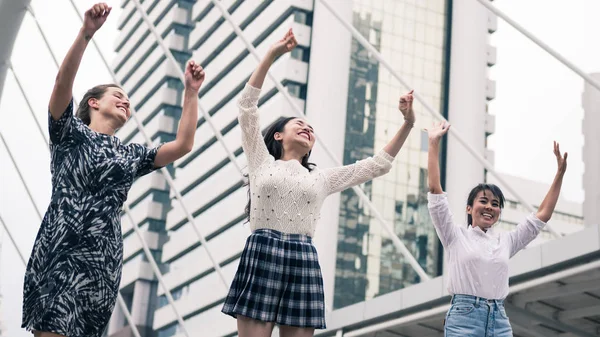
x: 545, y: 210
x: 63, y: 87
x: 283, y: 46
x: 433, y: 158
x: 258, y: 76
x: 405, y: 106
x: 186, y: 131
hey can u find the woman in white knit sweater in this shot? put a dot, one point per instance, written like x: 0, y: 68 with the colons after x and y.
x: 279, y: 278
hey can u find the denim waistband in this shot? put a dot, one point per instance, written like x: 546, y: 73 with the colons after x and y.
x: 271, y: 233
x: 459, y: 298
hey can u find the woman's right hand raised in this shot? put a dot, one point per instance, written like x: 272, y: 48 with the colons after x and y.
x: 438, y: 131
x: 284, y: 45
x: 95, y: 17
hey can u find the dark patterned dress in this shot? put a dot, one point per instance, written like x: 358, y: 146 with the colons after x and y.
x: 73, y: 275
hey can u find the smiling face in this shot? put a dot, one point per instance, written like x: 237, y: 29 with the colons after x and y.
x: 485, y: 209
x: 297, y: 135
x: 112, y: 105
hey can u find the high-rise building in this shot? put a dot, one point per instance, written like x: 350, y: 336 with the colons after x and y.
x: 591, y: 153
x: 440, y: 47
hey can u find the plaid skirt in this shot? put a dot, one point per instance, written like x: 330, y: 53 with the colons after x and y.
x: 278, y: 280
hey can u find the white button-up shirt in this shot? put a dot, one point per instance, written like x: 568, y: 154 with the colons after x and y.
x: 478, y: 260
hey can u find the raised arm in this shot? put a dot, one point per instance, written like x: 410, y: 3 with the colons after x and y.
x: 405, y: 106
x: 528, y: 230
x: 341, y: 178
x: 439, y: 209
x: 283, y: 46
x: 184, y: 141
x: 433, y: 157
x: 547, y: 206
x: 63, y: 87
x: 252, y: 139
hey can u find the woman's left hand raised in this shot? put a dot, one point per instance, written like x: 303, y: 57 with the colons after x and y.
x: 405, y: 106
x: 560, y: 160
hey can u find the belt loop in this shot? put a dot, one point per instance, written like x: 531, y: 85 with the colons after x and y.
x: 476, y: 301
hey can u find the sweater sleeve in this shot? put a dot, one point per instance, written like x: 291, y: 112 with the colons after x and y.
x: 252, y: 140
x: 340, y: 178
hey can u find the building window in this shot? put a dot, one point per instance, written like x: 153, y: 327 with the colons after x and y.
x: 162, y: 301
x: 294, y: 89
x: 300, y: 17
x: 298, y: 54
x: 168, y: 331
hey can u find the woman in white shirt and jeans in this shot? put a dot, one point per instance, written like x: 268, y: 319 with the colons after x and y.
x: 477, y: 256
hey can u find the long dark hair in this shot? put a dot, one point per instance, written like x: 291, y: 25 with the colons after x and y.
x: 83, y: 111
x: 495, y: 190
x: 275, y: 149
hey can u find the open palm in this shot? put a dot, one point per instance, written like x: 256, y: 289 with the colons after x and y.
x: 560, y: 160
x: 438, y: 130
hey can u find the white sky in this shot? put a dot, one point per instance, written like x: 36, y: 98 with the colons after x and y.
x: 537, y: 100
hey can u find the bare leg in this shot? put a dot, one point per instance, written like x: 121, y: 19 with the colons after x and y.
x: 46, y: 334
x: 248, y: 327
x: 292, y: 331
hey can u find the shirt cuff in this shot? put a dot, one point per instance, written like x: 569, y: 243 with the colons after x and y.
x: 385, y: 155
x: 534, y: 220
x: 434, y: 198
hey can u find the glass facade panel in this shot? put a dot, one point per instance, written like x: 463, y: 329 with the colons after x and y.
x: 411, y: 36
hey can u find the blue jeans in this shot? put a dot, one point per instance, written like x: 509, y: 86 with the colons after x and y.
x: 471, y: 316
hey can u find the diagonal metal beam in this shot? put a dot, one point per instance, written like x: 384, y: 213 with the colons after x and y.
x: 487, y: 4
x: 169, y: 55
x: 48, y: 47
x: 14, y: 162
x: 24, y: 94
x: 12, y: 240
x: 453, y: 131
x: 398, y: 244
x: 156, y: 270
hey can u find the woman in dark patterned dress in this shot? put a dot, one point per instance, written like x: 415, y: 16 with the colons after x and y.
x: 73, y: 275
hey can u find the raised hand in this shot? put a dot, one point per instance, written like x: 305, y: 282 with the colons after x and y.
x: 560, y: 160
x: 95, y: 17
x: 194, y: 76
x: 438, y: 131
x: 405, y: 106
x: 284, y: 45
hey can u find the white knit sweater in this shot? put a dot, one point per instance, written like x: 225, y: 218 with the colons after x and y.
x: 285, y: 196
